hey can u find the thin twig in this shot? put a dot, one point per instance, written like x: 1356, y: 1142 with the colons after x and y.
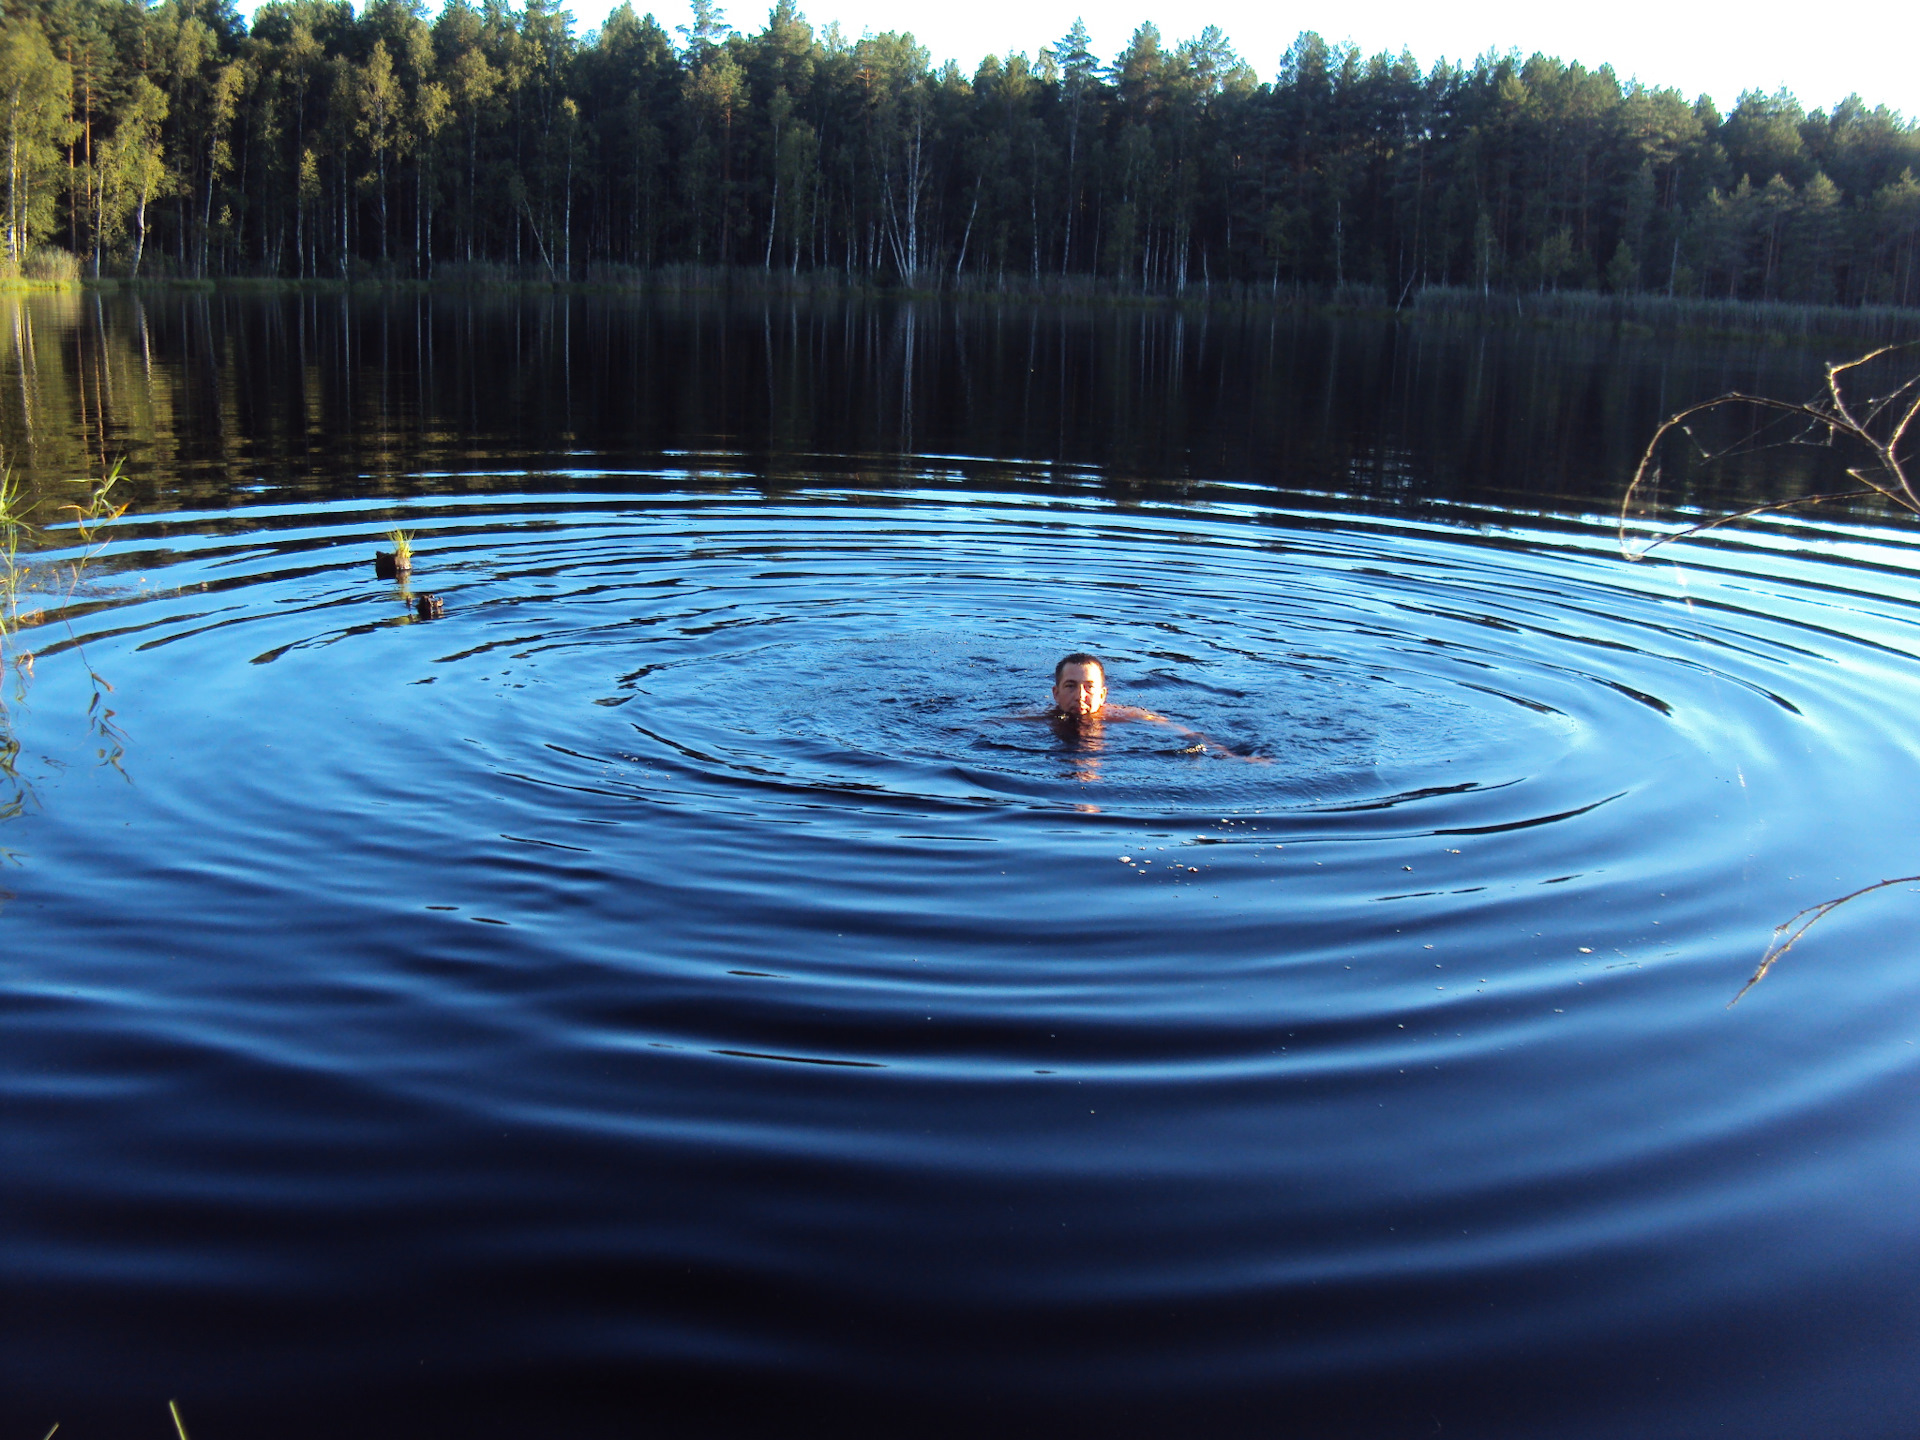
x: 1787, y: 935
x: 1830, y: 414
x: 173, y: 1408
x: 1705, y: 525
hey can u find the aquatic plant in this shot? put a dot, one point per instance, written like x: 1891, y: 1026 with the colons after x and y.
x: 96, y: 510
x: 14, y: 509
x: 1642, y: 313
x: 89, y: 516
x: 13, y: 796
x: 13, y: 523
x: 397, y: 563
x: 13, y: 502
x: 173, y: 1409
x: 1880, y: 425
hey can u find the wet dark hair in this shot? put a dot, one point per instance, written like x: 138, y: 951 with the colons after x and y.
x: 1080, y: 657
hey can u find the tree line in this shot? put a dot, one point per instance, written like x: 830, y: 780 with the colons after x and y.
x: 176, y: 139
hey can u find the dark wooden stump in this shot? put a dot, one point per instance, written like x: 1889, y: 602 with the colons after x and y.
x: 387, y: 566
x: 430, y: 607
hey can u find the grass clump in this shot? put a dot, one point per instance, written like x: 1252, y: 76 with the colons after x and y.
x: 14, y: 504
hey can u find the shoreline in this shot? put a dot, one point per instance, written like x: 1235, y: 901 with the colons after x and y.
x: 1633, y: 315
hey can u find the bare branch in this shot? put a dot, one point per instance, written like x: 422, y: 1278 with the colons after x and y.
x: 1879, y: 406
x: 1787, y: 935
x: 1900, y: 430
x: 1706, y: 525
x: 1830, y: 417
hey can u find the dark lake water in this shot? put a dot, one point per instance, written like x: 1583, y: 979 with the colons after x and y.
x: 673, y: 992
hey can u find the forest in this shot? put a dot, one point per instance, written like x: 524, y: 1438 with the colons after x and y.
x: 487, y: 141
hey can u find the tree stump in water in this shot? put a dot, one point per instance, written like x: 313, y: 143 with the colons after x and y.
x: 387, y: 566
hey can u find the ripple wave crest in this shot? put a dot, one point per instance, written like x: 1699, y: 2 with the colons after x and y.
x: 692, y: 952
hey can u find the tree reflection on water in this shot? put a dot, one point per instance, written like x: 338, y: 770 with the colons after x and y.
x: 318, y: 395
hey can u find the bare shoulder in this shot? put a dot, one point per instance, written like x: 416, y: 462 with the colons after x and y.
x: 1133, y: 712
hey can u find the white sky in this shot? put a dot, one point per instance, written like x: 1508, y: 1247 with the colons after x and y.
x: 1707, y: 47
x: 1696, y: 46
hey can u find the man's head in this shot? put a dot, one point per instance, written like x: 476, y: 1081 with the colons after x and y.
x: 1080, y: 684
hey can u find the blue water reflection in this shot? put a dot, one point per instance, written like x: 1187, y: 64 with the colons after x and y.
x: 671, y: 984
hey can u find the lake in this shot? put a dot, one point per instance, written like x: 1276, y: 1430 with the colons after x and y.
x: 687, y: 987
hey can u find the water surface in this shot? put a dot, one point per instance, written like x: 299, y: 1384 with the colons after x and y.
x: 675, y: 989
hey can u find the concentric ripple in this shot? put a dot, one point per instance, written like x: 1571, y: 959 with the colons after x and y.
x: 696, y: 949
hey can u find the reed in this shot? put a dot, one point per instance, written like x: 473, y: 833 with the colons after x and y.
x: 10, y: 583
x: 14, y: 508
x: 14, y: 504
x: 98, y: 508
x: 402, y: 542
x: 1665, y: 315
x: 14, y: 789
x: 1631, y: 313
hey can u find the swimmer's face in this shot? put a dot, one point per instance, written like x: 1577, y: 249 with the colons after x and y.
x: 1080, y: 690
